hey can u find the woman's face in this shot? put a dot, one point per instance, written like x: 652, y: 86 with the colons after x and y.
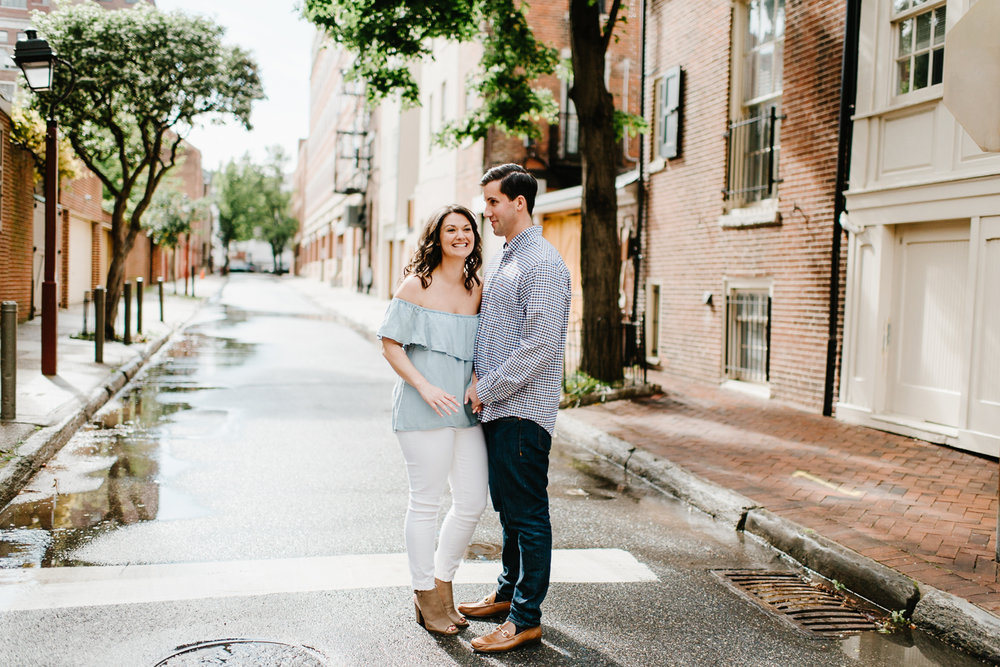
x: 457, y: 237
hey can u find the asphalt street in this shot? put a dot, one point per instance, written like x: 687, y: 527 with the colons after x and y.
x: 242, y: 501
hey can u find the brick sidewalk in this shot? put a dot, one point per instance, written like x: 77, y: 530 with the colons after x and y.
x: 924, y: 510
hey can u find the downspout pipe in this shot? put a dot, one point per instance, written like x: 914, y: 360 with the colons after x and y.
x: 636, y: 243
x: 848, y: 96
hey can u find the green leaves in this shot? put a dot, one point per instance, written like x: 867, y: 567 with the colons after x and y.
x: 171, y: 214
x: 252, y: 202
x: 144, y: 78
x: 388, y: 37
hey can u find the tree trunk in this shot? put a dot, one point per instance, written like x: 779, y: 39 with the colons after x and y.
x: 122, y: 240
x: 599, y: 244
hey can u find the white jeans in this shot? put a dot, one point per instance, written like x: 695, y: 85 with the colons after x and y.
x: 455, y: 456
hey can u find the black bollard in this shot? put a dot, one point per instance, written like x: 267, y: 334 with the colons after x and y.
x: 99, y: 324
x: 8, y: 360
x: 127, y: 338
x: 86, y: 307
x: 193, y: 274
x: 138, y: 305
x: 159, y: 284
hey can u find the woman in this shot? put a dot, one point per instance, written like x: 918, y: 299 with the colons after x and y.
x: 427, y: 337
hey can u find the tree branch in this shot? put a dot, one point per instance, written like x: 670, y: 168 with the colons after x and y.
x: 609, y: 27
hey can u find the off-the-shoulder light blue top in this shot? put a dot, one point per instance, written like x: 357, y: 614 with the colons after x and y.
x: 440, y: 345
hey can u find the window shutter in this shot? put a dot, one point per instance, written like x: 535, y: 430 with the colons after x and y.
x: 661, y: 117
x: 670, y: 142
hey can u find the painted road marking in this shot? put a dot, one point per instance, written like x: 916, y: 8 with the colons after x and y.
x: 839, y: 488
x: 53, y: 588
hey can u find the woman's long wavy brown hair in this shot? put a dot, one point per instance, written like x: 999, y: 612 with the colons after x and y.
x: 427, y: 256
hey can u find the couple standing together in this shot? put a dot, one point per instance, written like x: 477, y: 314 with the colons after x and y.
x: 480, y: 367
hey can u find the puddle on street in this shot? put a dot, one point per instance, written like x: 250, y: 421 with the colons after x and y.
x: 117, y: 470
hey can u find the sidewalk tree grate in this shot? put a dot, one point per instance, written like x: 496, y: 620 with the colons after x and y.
x: 805, y: 605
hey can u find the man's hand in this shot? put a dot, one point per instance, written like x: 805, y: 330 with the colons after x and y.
x: 472, y: 396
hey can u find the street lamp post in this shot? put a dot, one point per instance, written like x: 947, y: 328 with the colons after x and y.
x: 38, y: 62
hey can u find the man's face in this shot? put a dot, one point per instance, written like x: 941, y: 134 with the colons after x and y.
x: 500, y: 211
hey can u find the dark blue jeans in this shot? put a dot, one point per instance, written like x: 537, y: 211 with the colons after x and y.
x: 518, y: 456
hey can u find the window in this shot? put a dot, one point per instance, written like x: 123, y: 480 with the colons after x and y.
x: 748, y: 334
x: 569, y: 130
x: 430, y: 123
x: 753, y: 136
x: 667, y: 106
x: 653, y: 323
x: 919, y: 34
x: 15, y: 4
x: 7, y: 58
x: 444, y: 105
x: 7, y: 90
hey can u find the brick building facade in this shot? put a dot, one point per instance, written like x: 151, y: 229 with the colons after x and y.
x: 738, y: 265
x: 16, y: 221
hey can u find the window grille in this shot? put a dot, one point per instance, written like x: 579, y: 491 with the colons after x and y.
x: 919, y: 46
x: 748, y: 335
x: 752, y: 157
x: 569, y: 135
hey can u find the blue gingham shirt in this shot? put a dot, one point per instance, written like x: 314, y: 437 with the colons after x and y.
x: 522, y: 331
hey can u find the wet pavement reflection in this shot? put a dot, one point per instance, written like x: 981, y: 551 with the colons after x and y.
x: 116, y: 470
x: 126, y: 467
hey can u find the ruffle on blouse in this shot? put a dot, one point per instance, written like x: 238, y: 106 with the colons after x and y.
x: 438, y: 331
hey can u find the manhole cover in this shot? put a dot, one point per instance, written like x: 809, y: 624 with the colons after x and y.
x: 243, y: 653
x: 483, y: 551
x: 794, y: 599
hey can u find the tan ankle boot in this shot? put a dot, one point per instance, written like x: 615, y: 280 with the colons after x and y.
x: 448, y: 602
x: 431, y: 614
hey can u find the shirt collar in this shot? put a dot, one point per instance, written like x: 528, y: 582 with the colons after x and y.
x: 522, y: 239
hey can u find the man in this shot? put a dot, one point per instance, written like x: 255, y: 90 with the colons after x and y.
x: 519, y: 361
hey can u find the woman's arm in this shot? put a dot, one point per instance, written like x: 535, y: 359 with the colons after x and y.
x: 437, y: 398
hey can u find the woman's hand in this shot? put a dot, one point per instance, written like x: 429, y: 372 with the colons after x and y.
x: 439, y: 399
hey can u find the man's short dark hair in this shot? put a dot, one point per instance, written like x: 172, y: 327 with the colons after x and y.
x: 515, y: 181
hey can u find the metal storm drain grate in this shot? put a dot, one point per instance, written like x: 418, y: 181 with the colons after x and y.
x: 807, y: 607
x: 242, y: 652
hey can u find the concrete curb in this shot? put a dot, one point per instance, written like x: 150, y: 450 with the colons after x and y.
x: 943, y: 615
x: 41, y: 446
x: 960, y: 623
x: 721, y: 503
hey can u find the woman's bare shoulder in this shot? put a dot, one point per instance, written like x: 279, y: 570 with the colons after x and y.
x: 411, y: 290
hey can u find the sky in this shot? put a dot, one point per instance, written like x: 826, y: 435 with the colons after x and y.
x: 280, y: 41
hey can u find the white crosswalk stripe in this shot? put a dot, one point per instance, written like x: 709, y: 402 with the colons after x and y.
x: 51, y: 588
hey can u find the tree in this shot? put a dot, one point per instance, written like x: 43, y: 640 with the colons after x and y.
x: 277, y: 226
x: 253, y: 201
x: 240, y: 201
x: 146, y: 77
x: 512, y: 61
x: 170, y: 216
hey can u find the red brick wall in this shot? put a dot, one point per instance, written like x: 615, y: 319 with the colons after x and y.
x: 688, y: 251
x: 16, y: 222
x: 549, y: 22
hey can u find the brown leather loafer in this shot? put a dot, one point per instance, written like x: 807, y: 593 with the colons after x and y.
x: 504, y: 639
x: 488, y: 606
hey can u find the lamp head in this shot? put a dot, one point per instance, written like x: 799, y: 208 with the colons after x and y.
x: 37, y: 60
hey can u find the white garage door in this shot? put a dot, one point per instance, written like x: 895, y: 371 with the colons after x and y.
x: 80, y: 253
